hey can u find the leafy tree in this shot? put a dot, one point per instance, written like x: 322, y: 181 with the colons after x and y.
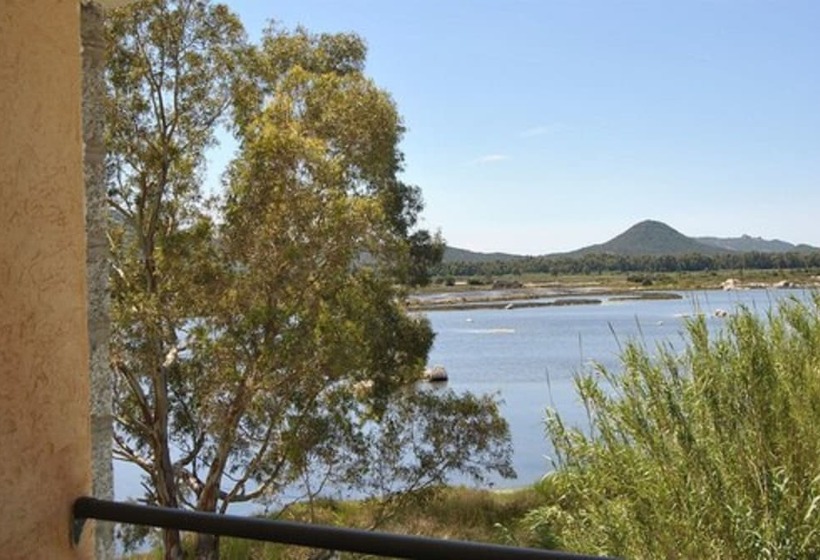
x: 169, y: 79
x: 261, y: 340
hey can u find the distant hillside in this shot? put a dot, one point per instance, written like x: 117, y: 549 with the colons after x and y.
x: 453, y: 254
x: 747, y: 244
x: 650, y: 238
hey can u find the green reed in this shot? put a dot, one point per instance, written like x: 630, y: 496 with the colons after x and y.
x: 709, y: 453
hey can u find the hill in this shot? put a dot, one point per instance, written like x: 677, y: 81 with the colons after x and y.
x: 747, y: 244
x: 453, y: 254
x: 650, y: 238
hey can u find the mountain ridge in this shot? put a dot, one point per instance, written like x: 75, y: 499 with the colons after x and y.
x: 651, y: 238
x: 747, y: 243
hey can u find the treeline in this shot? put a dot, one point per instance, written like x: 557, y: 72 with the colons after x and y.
x: 596, y: 263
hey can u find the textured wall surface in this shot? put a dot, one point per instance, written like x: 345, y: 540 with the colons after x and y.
x: 44, y: 419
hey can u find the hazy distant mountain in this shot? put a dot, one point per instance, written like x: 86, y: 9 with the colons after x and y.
x: 650, y: 238
x: 747, y: 243
x: 452, y: 254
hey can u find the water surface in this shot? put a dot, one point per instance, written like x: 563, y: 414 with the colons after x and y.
x: 528, y: 356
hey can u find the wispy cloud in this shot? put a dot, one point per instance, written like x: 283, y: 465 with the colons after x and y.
x: 542, y: 130
x: 490, y: 158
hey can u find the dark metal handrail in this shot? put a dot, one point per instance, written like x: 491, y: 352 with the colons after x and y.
x: 303, y: 534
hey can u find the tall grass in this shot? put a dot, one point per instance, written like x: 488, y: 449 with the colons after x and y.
x: 446, y: 512
x: 712, y: 453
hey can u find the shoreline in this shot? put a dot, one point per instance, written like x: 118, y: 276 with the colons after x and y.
x: 519, y: 298
x: 557, y: 295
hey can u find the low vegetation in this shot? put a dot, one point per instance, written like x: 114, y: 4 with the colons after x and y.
x: 615, y: 281
x: 446, y: 512
x: 598, y: 263
x: 714, y: 453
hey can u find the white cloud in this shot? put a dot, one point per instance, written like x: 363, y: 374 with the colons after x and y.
x: 491, y: 158
x: 542, y: 130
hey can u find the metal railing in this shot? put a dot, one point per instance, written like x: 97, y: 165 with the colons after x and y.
x: 303, y: 534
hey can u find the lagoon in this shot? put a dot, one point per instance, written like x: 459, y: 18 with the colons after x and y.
x: 529, y: 355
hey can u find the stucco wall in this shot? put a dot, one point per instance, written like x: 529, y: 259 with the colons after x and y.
x: 44, y: 422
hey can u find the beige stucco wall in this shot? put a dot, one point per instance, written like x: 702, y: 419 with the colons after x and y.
x: 44, y: 422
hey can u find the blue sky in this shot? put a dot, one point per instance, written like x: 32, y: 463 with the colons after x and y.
x: 537, y: 126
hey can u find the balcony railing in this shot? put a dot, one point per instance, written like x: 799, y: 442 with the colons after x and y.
x: 303, y: 534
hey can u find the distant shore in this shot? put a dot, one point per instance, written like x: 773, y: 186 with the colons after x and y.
x: 583, y: 291
x: 525, y: 297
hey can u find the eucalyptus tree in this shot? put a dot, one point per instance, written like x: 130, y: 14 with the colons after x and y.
x: 169, y: 76
x: 261, y: 342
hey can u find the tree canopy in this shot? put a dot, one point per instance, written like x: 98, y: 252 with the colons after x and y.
x: 261, y: 340
x: 601, y: 262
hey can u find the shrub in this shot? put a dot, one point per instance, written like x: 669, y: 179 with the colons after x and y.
x: 637, y: 278
x: 712, y: 453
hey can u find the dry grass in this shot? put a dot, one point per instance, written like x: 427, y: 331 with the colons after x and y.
x: 451, y: 513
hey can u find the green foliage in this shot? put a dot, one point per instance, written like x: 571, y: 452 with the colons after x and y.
x: 426, y: 251
x: 260, y: 339
x: 169, y: 83
x: 445, y: 512
x: 441, y: 512
x: 599, y: 262
x: 714, y: 453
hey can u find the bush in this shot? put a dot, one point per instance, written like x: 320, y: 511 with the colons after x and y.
x: 712, y: 453
x: 444, y: 512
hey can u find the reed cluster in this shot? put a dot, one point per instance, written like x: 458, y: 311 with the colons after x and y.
x: 713, y: 452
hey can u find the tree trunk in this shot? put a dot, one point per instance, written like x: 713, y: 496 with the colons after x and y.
x: 166, y: 484
x: 167, y: 497
x: 167, y: 494
x: 207, y: 546
x: 172, y: 544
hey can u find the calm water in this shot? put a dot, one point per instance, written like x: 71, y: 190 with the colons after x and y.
x: 528, y: 357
